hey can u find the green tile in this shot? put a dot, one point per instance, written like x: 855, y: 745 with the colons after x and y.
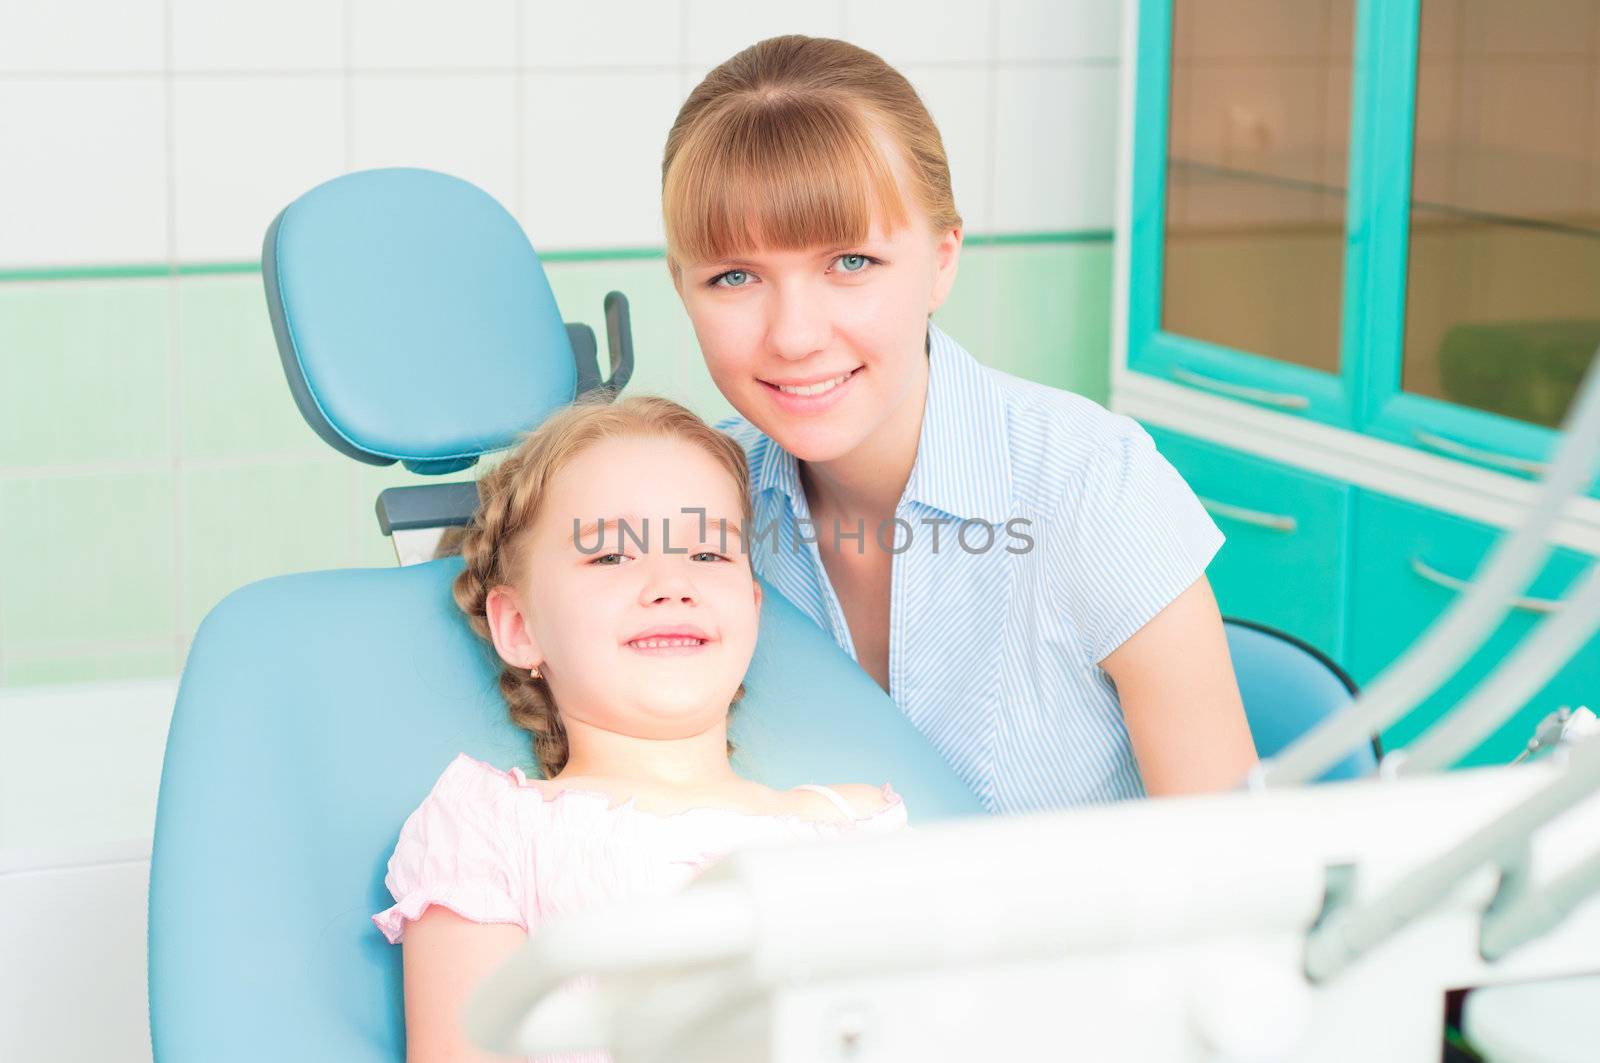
x: 249, y: 522
x: 666, y: 354
x: 1052, y: 316
x: 236, y: 399
x: 89, y: 560
x: 968, y: 311
x: 80, y: 664
x: 369, y: 547
x: 84, y: 372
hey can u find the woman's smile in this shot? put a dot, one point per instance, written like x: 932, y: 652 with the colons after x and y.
x: 814, y: 397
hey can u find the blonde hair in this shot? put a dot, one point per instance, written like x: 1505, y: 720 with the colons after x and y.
x: 493, y: 543
x: 777, y: 147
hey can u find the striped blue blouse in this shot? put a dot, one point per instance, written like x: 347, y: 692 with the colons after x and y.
x: 1039, y: 530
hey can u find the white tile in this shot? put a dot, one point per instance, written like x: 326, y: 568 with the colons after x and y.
x: 1534, y: 28
x: 460, y: 124
x: 1257, y: 29
x: 257, y: 35
x: 592, y: 173
x: 1524, y: 137
x: 1055, y: 30
x: 920, y: 31
x: 87, y: 35
x: 1261, y: 116
x: 1055, y: 148
x: 619, y: 33
x: 84, y: 179
x: 75, y: 946
x: 959, y: 101
x: 691, y: 76
x: 246, y: 147
x: 1439, y: 29
x: 113, y: 732
x: 717, y: 30
x: 424, y: 33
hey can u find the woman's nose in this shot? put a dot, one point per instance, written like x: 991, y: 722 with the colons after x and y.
x: 797, y: 326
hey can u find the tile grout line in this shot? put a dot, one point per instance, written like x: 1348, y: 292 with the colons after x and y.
x: 174, y: 339
x: 352, y: 476
x: 991, y: 140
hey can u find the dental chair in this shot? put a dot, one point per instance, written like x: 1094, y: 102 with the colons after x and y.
x: 1288, y: 687
x: 316, y: 710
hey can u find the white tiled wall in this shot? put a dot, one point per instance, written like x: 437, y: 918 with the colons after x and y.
x: 141, y: 132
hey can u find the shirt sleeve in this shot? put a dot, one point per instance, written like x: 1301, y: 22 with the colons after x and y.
x: 463, y: 848
x: 1136, y: 538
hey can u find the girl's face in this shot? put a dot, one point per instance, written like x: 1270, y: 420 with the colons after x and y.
x: 592, y: 596
x: 821, y: 347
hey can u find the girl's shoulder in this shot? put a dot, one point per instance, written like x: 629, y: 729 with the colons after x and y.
x: 857, y: 806
x: 503, y: 790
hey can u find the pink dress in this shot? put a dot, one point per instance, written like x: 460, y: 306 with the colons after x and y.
x: 492, y: 847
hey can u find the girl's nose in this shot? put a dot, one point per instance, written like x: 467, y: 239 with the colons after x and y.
x: 668, y: 582
x: 797, y: 326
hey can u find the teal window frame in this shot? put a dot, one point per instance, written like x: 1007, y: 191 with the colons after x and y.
x: 1157, y: 352
x: 1366, y: 395
x: 1387, y: 411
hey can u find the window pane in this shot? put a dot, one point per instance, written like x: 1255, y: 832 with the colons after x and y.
x: 1258, y: 126
x: 1503, y: 286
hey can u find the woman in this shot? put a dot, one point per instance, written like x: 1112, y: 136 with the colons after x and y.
x: 1016, y: 566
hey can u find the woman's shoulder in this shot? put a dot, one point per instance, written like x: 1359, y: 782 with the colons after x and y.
x: 1058, y: 441
x: 743, y: 432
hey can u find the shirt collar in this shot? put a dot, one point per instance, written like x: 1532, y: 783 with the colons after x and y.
x: 963, y: 464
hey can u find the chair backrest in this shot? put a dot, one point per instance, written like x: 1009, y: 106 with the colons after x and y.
x: 1288, y: 687
x: 316, y: 710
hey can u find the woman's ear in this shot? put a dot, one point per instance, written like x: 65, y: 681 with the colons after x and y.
x: 946, y: 259
x: 508, y: 628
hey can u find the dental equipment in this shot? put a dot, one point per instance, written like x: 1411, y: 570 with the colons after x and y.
x: 1514, y: 680
x: 1191, y: 931
x: 1161, y: 930
x: 1457, y: 634
x: 1346, y: 934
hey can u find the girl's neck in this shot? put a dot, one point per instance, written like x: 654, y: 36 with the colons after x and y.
x: 693, y: 764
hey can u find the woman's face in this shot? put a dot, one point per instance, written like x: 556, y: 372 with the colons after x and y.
x: 821, y: 347
x: 592, y: 595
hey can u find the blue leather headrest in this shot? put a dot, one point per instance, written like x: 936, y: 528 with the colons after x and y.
x: 414, y: 319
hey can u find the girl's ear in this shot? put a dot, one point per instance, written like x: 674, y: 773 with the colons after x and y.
x: 508, y: 628
x: 946, y: 259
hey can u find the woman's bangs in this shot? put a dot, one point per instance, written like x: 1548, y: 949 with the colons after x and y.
x: 782, y: 176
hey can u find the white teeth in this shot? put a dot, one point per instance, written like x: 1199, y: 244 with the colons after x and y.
x: 658, y: 644
x: 815, y: 389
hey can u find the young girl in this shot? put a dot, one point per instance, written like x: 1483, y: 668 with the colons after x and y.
x: 1014, y: 564
x: 606, y: 565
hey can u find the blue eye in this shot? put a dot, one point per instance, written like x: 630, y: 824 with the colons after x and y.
x: 854, y: 263
x: 709, y: 553
x: 734, y: 278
